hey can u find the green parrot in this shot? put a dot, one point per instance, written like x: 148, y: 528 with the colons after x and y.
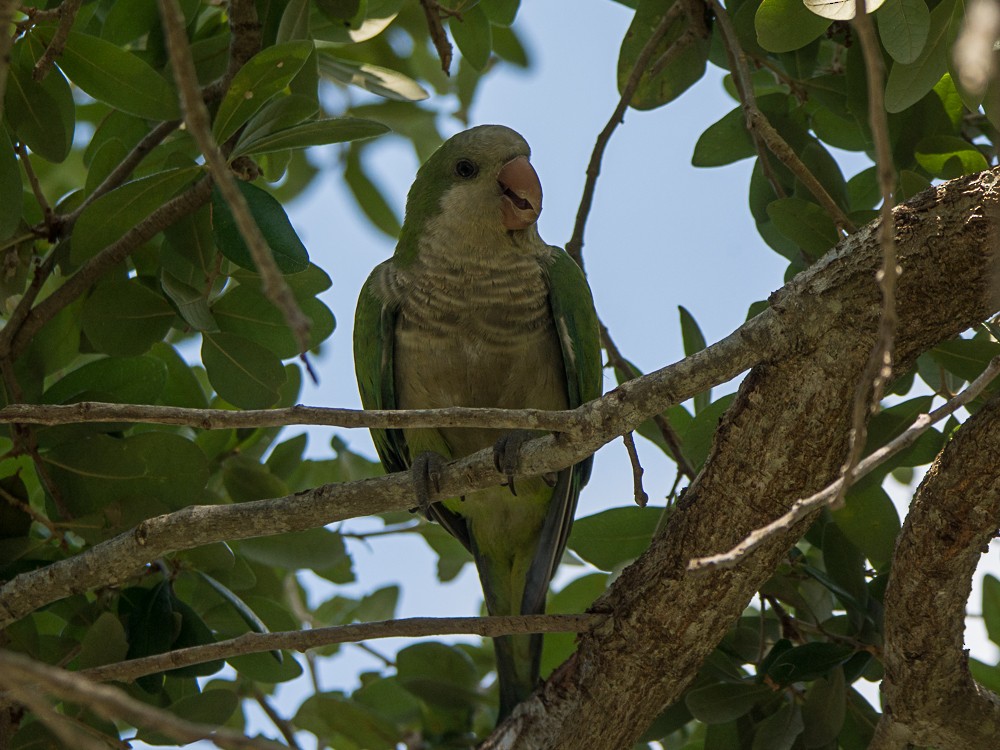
x: 474, y: 309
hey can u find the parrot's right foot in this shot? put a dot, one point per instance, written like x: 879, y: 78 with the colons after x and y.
x: 425, y: 473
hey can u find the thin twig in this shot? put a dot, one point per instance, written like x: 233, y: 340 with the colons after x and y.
x: 61, y: 726
x: 67, y: 15
x: 575, y: 245
x: 432, y: 12
x: 641, y: 498
x: 826, y: 496
x: 878, y: 368
x: 19, y: 672
x: 39, y: 518
x: 759, y: 125
x: 14, y: 339
x: 7, y: 8
x: 220, y: 419
x: 302, y: 640
x: 283, y: 725
x: 124, y: 169
x: 36, y: 187
x: 198, y: 122
x: 667, y: 432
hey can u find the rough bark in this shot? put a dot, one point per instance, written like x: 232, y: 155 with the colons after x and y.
x: 929, y: 696
x: 784, y: 437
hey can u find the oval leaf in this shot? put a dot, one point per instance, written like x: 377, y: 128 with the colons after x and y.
x: 264, y: 75
x: 242, y: 372
x: 125, y: 317
x: 947, y: 156
x: 315, y: 133
x: 109, y: 217
x: 903, y: 26
x: 908, y: 84
x: 786, y: 25
x: 289, y: 253
x: 118, y: 78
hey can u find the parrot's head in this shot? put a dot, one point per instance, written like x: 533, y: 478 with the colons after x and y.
x: 479, y: 181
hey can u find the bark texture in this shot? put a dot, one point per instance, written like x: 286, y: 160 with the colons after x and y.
x: 929, y: 696
x: 784, y: 437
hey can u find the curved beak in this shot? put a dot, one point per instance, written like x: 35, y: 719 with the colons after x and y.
x: 522, y: 193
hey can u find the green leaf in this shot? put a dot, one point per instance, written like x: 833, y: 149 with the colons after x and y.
x: 863, y: 190
x: 211, y: 707
x: 245, y: 479
x: 390, y: 84
x: 42, y: 114
x: 240, y: 607
x: 125, y: 317
x: 174, y: 469
x: 120, y: 380
x: 112, y: 215
x: 193, y: 632
x: 473, y: 36
x: 127, y: 20
x: 118, y: 78
x: 823, y: 710
x: 909, y: 83
x: 694, y: 341
x: 289, y: 253
x: 103, y: 643
x: 786, y: 25
x: 869, y: 519
x: 500, y: 12
x: 846, y: 567
x: 684, y: 67
x: 991, y: 607
x: 804, y: 223
x: 724, y: 142
x: 11, y: 191
x: 903, y: 26
x: 779, y: 730
x: 263, y: 76
x: 294, y: 22
x: 807, y: 662
x: 319, y: 550
x: 191, y: 303
x: 346, y: 723
x: 911, y: 183
x: 248, y: 313
x: 574, y: 597
x: 722, y: 702
x: 438, y: 674
x: 242, y: 372
x: 369, y: 197
x: 947, y: 157
x: 614, y: 537
x: 697, y: 438
x: 183, y: 388
x: 966, y: 358
x: 314, y: 133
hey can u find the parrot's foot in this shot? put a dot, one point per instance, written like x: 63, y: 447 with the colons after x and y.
x: 426, y: 473
x: 507, y: 456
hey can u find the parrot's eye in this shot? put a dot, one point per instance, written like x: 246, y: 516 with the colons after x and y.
x: 466, y: 169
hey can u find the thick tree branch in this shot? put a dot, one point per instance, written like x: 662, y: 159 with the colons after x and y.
x: 929, y: 696
x: 785, y: 436
x: 830, y: 494
x: 601, y: 421
x: 18, y: 673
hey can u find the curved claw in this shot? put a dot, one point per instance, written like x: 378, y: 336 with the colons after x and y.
x: 506, y: 454
x: 425, y: 473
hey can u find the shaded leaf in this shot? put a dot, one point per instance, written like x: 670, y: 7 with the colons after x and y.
x: 314, y: 133
x: 263, y: 76
x: 948, y: 157
x: 473, y: 36
x: 616, y: 536
x: 909, y: 83
x: 125, y: 317
x: 242, y: 372
x: 724, y: 141
x: 119, y: 78
x: 722, y: 702
x: 903, y: 26
x: 786, y: 25
x: 289, y: 253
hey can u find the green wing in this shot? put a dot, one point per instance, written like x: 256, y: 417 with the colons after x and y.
x: 576, y: 323
x: 374, y: 323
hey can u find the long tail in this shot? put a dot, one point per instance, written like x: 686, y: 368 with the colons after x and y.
x: 518, y: 659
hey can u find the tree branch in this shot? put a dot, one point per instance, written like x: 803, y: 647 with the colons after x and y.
x: 929, y: 697
x: 67, y: 11
x: 834, y: 491
x: 601, y: 421
x: 784, y: 436
x: 199, y: 124
x: 302, y: 640
x: 19, y: 673
x: 761, y: 129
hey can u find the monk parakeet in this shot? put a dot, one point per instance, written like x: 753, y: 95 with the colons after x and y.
x: 474, y: 309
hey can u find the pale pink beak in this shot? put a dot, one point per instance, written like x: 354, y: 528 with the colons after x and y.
x: 522, y: 193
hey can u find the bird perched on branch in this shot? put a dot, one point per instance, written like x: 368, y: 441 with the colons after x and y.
x: 474, y: 309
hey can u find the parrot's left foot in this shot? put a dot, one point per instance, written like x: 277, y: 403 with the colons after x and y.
x: 426, y: 473
x: 507, y: 456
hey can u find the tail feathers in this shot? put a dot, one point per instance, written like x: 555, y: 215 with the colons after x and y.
x: 518, y: 658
